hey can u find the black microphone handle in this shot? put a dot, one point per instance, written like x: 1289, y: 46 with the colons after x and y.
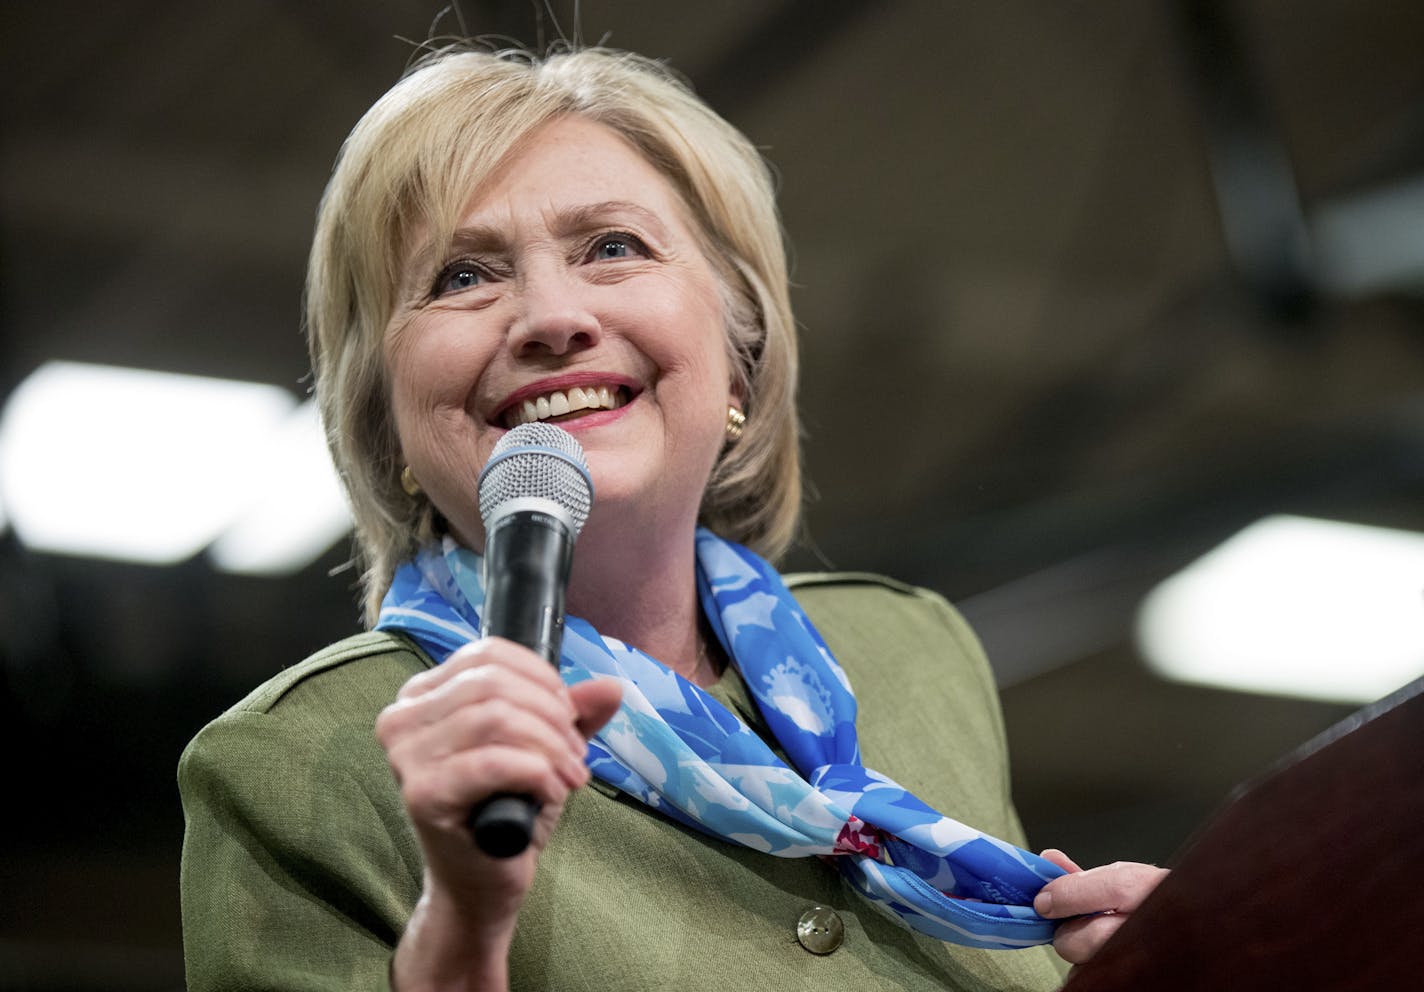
x: 527, y: 558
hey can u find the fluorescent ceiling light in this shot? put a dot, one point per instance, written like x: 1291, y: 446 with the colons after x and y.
x: 297, y: 514
x: 1296, y: 607
x: 131, y: 464
x: 1372, y: 241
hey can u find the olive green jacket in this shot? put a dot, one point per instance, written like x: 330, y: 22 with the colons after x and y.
x: 300, y: 868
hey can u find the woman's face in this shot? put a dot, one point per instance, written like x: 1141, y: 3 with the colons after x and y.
x: 575, y: 292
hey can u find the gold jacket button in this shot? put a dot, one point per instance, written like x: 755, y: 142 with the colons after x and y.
x: 820, y: 930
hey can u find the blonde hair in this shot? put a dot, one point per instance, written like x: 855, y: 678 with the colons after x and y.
x: 409, y: 169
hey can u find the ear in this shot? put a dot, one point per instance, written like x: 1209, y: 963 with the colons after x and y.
x: 735, y: 397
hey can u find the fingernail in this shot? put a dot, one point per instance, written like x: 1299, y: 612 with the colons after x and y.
x: 1043, y: 902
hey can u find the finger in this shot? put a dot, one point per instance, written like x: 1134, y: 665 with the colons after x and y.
x: 1079, y: 940
x: 1060, y: 859
x: 489, y: 685
x: 470, y: 655
x: 494, y: 721
x: 485, y: 651
x: 443, y: 793
x: 1118, y: 887
x: 476, y: 686
x: 595, y: 702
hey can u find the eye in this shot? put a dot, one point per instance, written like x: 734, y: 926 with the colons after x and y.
x: 459, y: 275
x: 613, y: 246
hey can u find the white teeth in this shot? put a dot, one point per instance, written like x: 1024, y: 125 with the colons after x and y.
x: 556, y: 403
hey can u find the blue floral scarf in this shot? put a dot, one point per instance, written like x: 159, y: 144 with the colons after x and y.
x: 675, y: 748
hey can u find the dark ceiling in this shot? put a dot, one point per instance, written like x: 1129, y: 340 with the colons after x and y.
x: 1071, y: 313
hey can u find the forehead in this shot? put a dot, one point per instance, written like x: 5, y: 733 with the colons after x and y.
x: 568, y: 163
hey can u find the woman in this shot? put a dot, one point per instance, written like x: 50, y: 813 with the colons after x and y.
x: 581, y: 240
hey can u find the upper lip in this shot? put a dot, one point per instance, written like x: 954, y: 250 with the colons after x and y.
x: 563, y: 383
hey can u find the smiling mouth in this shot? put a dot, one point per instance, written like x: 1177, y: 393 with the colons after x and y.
x: 560, y: 405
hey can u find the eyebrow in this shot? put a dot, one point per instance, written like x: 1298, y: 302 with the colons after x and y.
x: 575, y: 220
x: 567, y: 221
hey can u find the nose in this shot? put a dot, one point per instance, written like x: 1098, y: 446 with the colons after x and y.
x: 554, y: 317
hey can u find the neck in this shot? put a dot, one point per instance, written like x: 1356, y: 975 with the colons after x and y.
x: 641, y: 588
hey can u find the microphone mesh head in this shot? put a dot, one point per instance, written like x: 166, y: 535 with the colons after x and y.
x: 541, y: 461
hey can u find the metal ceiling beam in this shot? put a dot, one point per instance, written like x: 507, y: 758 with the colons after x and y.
x: 788, y: 37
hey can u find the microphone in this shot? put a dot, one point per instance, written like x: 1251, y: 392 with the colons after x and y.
x: 535, y: 495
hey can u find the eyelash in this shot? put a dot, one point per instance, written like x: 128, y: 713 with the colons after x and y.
x: 632, y: 241
x: 450, y: 269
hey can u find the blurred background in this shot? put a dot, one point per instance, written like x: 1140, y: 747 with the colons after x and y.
x: 1112, y: 330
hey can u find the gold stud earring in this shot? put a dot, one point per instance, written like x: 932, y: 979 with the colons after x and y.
x: 736, y: 420
x: 408, y: 483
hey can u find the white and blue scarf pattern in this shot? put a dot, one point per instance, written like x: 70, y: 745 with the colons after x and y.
x: 675, y: 748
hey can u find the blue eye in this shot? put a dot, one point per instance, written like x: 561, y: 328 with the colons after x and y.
x: 457, y: 276
x: 612, y: 246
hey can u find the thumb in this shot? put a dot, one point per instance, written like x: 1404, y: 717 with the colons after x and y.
x: 595, y: 701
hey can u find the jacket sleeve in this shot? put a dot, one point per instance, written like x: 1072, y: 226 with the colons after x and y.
x: 299, y: 866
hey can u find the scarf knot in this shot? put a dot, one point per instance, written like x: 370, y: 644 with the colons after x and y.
x: 858, y: 837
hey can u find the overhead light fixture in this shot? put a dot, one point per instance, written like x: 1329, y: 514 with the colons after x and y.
x: 299, y: 513
x: 1294, y: 606
x: 133, y: 464
x: 1371, y: 242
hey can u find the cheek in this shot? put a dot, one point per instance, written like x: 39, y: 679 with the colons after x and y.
x: 432, y: 377
x: 688, y: 327
x: 433, y: 369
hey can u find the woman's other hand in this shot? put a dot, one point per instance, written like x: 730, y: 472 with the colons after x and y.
x: 495, y: 717
x: 1103, y: 898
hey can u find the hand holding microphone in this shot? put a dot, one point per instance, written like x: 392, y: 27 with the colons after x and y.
x: 535, y: 495
x: 495, y: 722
